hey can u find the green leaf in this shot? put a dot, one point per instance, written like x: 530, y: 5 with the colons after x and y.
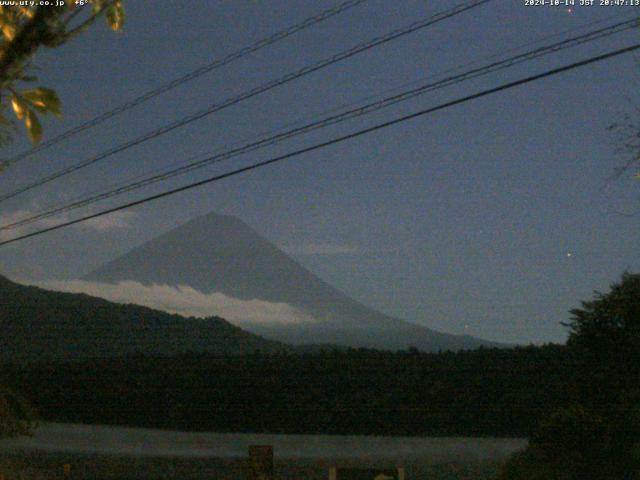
x: 115, y: 15
x: 8, y: 30
x: 27, y: 12
x: 98, y: 5
x: 33, y: 126
x: 44, y: 100
x: 19, y: 106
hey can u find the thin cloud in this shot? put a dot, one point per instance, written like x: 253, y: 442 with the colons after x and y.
x: 113, y: 221
x: 187, y: 301
x: 323, y: 249
x: 18, y: 215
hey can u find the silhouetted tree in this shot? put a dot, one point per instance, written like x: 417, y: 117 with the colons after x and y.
x: 597, y: 436
x: 628, y: 133
x: 23, y: 30
x: 16, y: 415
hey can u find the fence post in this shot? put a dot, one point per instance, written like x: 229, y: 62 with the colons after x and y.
x: 260, y: 462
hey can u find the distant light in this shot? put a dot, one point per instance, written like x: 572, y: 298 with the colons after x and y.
x: 569, y: 254
x: 569, y: 11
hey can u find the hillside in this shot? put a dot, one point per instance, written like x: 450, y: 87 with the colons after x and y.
x: 216, y: 253
x: 37, y: 324
x: 484, y: 392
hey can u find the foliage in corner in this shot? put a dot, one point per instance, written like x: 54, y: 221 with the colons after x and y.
x: 16, y: 414
x: 597, y: 434
x: 628, y: 139
x: 24, y: 29
x: 610, y: 321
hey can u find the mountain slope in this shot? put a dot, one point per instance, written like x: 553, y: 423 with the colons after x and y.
x: 37, y: 324
x: 216, y: 253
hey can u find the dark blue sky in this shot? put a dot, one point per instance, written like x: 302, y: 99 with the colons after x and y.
x: 491, y: 218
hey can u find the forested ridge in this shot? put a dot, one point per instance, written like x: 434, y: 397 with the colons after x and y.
x: 484, y: 392
x: 577, y: 403
x: 42, y: 325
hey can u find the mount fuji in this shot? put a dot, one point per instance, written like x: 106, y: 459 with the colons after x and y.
x: 218, y: 254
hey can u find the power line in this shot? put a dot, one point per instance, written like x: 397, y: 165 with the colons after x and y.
x: 333, y: 141
x: 420, y: 24
x: 334, y: 119
x: 264, y: 42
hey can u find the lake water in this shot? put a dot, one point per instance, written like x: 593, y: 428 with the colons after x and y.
x: 97, y: 439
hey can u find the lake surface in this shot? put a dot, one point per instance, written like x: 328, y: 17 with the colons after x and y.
x: 98, y: 439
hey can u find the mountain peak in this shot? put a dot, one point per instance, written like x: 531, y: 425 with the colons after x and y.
x: 217, y: 253
x: 218, y: 219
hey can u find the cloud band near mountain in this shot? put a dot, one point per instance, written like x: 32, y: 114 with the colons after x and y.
x: 187, y: 301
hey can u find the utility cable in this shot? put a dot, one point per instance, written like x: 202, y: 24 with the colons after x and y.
x: 264, y: 42
x: 333, y: 141
x: 331, y: 120
x: 420, y: 24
